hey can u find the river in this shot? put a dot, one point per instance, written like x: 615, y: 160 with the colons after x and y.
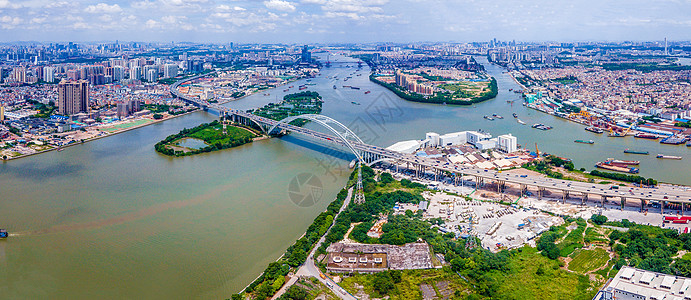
x: 113, y: 219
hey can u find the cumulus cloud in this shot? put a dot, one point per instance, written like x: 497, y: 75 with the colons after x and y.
x: 279, y: 5
x: 7, y: 4
x: 103, y: 8
x: 151, y: 24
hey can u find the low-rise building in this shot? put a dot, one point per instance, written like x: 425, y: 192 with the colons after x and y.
x: 371, y: 258
x: 633, y: 283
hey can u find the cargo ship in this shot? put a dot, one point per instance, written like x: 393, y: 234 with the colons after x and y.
x: 622, y: 163
x: 488, y: 118
x: 607, y: 166
x: 636, y: 152
x: 673, y: 140
x: 355, y: 103
x: 367, y: 92
x: 3, y: 234
x: 668, y: 156
x: 584, y: 142
x: 541, y: 126
x: 497, y: 116
x: 594, y: 129
x: 520, y: 122
x: 354, y: 87
x: 643, y: 135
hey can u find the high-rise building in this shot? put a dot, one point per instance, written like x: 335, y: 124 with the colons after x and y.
x: 151, y: 75
x: 170, y: 71
x: 73, y: 74
x: 48, y: 74
x: 73, y: 97
x: 2, y: 114
x: 306, y: 56
x: 135, y: 73
x: 19, y: 74
x: 118, y: 73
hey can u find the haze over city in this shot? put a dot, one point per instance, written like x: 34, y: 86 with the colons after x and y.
x: 285, y: 21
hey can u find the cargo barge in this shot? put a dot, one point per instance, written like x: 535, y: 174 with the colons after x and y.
x: 636, y: 152
x: 622, y: 163
x: 673, y: 140
x: 590, y: 142
x: 642, y: 135
x: 594, y: 129
x: 3, y: 234
x: 610, y: 167
x: 668, y: 156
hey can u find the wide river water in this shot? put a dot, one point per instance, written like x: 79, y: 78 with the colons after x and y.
x: 112, y: 219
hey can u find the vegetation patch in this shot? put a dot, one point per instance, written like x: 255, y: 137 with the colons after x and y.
x: 213, y: 134
x: 589, y: 260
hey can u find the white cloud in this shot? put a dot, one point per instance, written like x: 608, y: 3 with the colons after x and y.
x: 224, y: 7
x: 7, y: 4
x: 7, y: 22
x: 103, y: 8
x: 152, y: 24
x: 279, y: 5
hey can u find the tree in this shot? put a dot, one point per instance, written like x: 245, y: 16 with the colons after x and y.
x: 383, y: 282
x: 599, y: 219
x: 158, y: 116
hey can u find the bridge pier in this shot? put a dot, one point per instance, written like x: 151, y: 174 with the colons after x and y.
x: 642, y: 204
x: 565, y: 194
x: 662, y: 207
x: 604, y: 199
x: 584, y: 198
x: 524, y: 189
x: 540, y: 192
x: 623, y: 203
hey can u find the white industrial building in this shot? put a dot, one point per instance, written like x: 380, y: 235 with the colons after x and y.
x: 507, y: 143
x: 480, y: 140
x: 633, y: 283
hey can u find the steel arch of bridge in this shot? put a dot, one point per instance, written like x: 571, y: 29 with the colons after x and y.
x: 326, y: 122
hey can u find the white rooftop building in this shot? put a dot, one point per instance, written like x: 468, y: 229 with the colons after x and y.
x: 507, y: 143
x: 633, y: 283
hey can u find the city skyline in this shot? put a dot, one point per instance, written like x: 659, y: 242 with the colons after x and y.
x: 309, y: 21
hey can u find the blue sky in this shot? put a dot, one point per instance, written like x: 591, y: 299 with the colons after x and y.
x: 268, y: 21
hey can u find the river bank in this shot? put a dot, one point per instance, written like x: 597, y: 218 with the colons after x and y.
x: 107, y: 134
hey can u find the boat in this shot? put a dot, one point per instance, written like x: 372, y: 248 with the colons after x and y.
x: 3, y: 234
x: 303, y: 88
x: 688, y: 144
x: 286, y: 90
x: 643, y: 135
x: 668, y: 156
x: 497, y: 116
x: 488, y: 118
x: 673, y: 140
x: 355, y: 103
x: 636, y: 152
x: 354, y: 87
x: 520, y: 122
x: 584, y: 142
x: 610, y: 167
x: 594, y: 129
x: 515, y: 115
x: 623, y: 163
x: 60, y: 149
x: 334, y: 86
x: 541, y: 126
x: 352, y: 163
x: 367, y: 92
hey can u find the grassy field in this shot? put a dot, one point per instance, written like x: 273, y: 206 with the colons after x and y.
x: 409, y: 287
x: 127, y: 125
x: 588, y: 260
x: 573, y: 240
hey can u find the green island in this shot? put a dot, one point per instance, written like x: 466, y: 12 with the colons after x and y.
x: 223, y: 134
x: 296, y: 104
x: 570, y: 261
x: 457, y: 93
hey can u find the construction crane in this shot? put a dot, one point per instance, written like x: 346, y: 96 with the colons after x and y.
x: 537, y: 151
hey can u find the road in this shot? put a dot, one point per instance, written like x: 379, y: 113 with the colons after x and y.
x: 310, y: 269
